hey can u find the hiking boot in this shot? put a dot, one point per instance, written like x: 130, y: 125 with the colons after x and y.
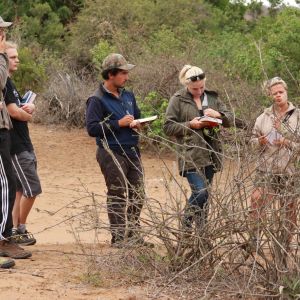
x: 24, y: 239
x: 9, y: 248
x: 132, y: 242
x: 119, y: 244
x: 252, y: 245
x: 137, y: 240
x: 6, y: 263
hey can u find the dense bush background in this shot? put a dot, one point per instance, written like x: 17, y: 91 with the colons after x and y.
x: 237, y: 44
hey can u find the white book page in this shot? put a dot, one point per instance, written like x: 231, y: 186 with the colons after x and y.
x: 273, y: 136
x: 148, y: 119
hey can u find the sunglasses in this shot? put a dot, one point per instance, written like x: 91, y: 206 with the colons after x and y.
x: 197, y: 77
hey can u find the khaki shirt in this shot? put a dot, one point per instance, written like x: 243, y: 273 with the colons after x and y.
x: 273, y: 159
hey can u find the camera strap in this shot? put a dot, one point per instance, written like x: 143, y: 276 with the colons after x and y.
x: 288, y: 115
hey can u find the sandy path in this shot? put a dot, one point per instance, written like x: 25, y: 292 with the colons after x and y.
x: 69, y: 172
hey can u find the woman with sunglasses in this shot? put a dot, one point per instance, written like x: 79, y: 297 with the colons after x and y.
x: 198, y: 145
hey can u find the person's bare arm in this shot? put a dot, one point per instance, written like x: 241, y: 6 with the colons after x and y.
x: 29, y: 108
x: 18, y: 113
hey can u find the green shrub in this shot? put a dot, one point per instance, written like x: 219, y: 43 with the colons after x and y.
x: 151, y: 105
x: 42, y: 24
x: 291, y: 286
x: 31, y: 73
x: 100, y: 51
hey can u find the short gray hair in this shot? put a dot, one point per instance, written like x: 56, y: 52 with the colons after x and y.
x: 273, y: 81
x: 11, y: 44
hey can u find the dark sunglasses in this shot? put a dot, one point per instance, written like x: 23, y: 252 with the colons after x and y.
x: 198, y: 77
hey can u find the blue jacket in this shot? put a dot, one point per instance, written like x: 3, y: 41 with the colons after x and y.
x: 102, y: 115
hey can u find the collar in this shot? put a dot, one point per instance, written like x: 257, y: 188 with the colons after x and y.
x: 270, y: 110
x: 120, y: 90
x: 185, y: 95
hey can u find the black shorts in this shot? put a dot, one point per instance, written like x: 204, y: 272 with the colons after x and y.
x: 25, y: 166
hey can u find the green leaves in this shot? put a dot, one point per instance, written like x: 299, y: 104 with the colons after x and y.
x: 151, y: 105
x: 100, y: 51
x: 43, y: 24
x: 30, y: 73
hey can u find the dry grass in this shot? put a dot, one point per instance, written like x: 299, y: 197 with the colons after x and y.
x: 64, y: 100
x: 218, y: 258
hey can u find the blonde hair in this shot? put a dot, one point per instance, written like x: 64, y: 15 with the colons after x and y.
x: 10, y: 44
x: 187, y: 72
x: 273, y: 81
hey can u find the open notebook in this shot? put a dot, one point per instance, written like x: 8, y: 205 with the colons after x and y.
x: 210, y: 119
x: 148, y: 119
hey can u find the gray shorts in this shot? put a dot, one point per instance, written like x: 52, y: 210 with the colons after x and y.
x: 25, y: 166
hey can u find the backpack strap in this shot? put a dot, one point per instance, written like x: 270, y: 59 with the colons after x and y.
x: 288, y: 115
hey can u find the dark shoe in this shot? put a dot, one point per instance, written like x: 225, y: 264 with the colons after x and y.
x: 122, y: 244
x: 188, y: 219
x: 24, y: 239
x: 6, y: 263
x: 119, y: 244
x: 132, y: 242
x: 137, y: 240
x: 200, y: 219
x: 13, y: 250
x: 252, y: 245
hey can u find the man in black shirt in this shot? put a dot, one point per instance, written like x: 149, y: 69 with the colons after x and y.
x: 22, y: 153
x: 7, y: 179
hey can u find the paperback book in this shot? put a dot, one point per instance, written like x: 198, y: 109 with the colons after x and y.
x: 273, y: 136
x: 29, y: 97
x: 210, y: 119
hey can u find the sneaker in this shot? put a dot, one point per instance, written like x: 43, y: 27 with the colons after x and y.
x: 24, y: 239
x: 9, y: 248
x: 6, y: 263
